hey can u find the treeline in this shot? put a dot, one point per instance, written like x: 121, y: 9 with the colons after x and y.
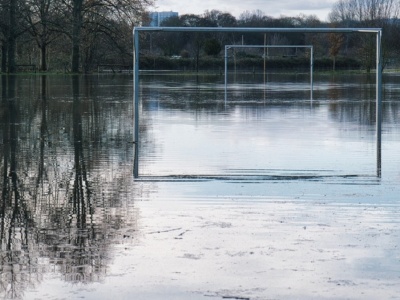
x: 70, y: 35
x: 338, y: 50
x: 80, y: 35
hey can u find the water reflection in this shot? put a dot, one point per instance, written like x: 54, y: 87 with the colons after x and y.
x: 334, y: 134
x: 66, y: 195
x: 66, y: 156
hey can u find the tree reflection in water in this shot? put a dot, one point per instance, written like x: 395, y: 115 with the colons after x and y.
x: 18, y: 261
x: 62, y: 204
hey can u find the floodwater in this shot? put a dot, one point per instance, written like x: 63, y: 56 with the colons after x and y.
x: 267, y: 193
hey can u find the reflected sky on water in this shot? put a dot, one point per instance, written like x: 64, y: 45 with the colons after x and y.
x: 224, y: 187
x: 264, y: 128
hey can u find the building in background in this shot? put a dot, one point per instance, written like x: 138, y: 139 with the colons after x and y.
x: 158, y: 17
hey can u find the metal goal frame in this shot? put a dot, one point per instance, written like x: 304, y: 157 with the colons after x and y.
x: 136, y: 57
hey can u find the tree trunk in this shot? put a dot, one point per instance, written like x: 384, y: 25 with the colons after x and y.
x: 11, y: 37
x: 334, y: 63
x: 43, y: 63
x: 43, y: 40
x: 76, y: 34
x: 4, y: 58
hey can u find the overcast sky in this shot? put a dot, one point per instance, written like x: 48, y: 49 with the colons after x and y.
x: 273, y: 8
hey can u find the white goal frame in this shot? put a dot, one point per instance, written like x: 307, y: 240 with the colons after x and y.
x: 228, y: 47
x: 136, y: 56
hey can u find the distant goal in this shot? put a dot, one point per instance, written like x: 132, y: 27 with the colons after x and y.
x: 229, y: 47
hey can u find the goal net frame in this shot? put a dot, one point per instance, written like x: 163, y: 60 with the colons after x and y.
x: 263, y: 30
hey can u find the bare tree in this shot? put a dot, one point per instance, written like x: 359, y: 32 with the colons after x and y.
x: 335, y: 43
x: 4, y: 34
x: 40, y: 15
x: 82, y: 12
x: 11, y: 26
x: 367, y: 13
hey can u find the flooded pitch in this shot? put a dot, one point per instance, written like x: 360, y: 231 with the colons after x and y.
x: 270, y: 195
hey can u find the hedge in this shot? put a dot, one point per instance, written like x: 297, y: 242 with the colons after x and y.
x: 246, y: 63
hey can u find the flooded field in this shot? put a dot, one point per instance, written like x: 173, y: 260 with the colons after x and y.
x: 267, y: 193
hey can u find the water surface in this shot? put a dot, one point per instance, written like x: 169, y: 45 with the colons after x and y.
x: 267, y: 194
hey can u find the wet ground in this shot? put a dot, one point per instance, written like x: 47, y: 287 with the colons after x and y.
x: 272, y: 195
